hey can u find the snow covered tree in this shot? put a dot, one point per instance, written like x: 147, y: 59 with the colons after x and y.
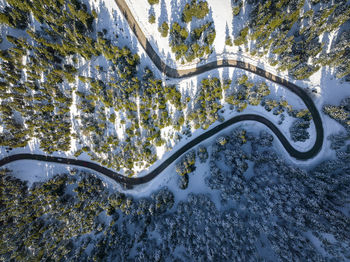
x: 202, y: 154
x: 298, y: 130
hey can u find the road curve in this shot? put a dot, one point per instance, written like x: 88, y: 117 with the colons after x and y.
x: 144, y: 179
x: 171, y: 72
x: 175, y: 73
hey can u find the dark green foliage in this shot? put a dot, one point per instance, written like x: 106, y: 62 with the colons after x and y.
x: 15, y: 16
x: 39, y: 107
x: 237, y: 9
x: 151, y: 19
x: 188, y: 47
x: 202, y: 154
x: 242, y: 37
x: 183, y: 181
x: 186, y: 165
x: 153, y: 2
x: 177, y: 42
x: 46, y: 115
x: 149, y: 115
x: 164, y: 29
x: 340, y: 113
x: 294, y: 36
x: 228, y: 41
x: 179, y: 31
x: 247, y: 93
x: 198, y: 9
x: 207, y: 103
x: 298, y: 130
x: 53, y: 220
x: 173, y: 96
x: 196, y: 44
x: 335, y: 112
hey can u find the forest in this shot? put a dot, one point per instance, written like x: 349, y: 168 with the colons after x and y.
x: 70, y: 89
x: 41, y: 76
x: 293, y: 39
x: 194, y: 45
x: 274, y: 211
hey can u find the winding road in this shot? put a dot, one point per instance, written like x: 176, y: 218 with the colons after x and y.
x: 174, y: 73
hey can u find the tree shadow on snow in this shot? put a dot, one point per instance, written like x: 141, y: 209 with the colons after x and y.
x: 163, y: 17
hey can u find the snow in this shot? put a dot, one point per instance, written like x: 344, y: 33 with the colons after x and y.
x: 329, y: 89
x: 36, y: 171
x: 316, y: 242
x: 190, y: 87
x: 222, y: 16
